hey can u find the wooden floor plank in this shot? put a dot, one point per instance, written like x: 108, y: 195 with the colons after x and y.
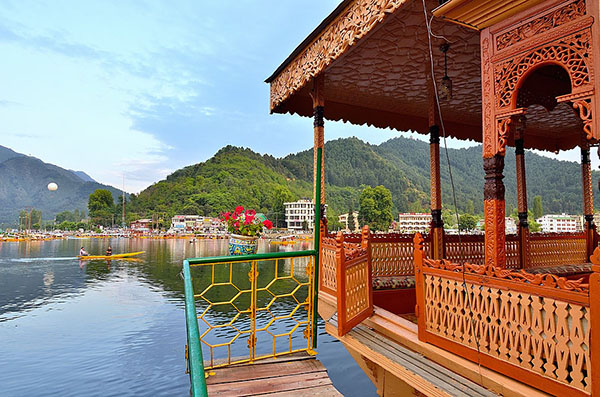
x: 320, y: 391
x: 270, y: 385
x: 259, y: 371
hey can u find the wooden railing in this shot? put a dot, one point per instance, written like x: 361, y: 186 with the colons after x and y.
x: 555, y: 249
x: 535, y: 328
x: 345, y: 274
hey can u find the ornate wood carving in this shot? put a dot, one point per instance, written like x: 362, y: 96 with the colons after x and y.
x: 584, y: 106
x: 518, y: 276
x: 542, y: 24
x: 487, y: 90
x: 495, y: 251
x: 573, y: 52
x: 493, y: 187
x: 358, y: 19
x: 586, y: 176
x: 503, y: 134
x: 318, y: 97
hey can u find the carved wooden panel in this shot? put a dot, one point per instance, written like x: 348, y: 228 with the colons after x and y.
x: 327, y: 272
x: 547, y: 336
x: 558, y: 17
x: 557, y: 249
x: 355, y: 297
x: 572, y: 51
x: 359, y: 18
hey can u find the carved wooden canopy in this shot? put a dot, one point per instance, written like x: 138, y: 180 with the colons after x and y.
x: 373, y: 55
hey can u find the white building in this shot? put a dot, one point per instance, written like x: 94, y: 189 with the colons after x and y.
x: 344, y: 220
x: 411, y: 222
x: 510, y: 226
x: 297, y: 212
x: 562, y: 223
x: 190, y: 223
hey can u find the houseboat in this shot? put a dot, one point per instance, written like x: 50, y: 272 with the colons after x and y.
x: 442, y: 314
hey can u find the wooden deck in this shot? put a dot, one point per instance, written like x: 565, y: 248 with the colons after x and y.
x: 297, y: 375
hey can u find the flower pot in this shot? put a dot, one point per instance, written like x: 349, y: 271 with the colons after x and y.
x: 242, y: 245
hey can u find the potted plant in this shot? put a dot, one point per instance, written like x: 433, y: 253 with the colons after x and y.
x: 244, y: 228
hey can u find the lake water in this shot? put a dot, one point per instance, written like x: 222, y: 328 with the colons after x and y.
x: 71, y: 328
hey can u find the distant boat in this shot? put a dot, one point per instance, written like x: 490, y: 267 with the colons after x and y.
x: 116, y: 256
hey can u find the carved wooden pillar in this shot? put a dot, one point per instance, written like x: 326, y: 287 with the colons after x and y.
x: 588, y: 196
x: 523, y: 227
x: 437, y: 225
x: 319, y: 134
x: 493, y: 206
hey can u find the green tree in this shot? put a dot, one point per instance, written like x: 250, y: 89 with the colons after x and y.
x: 449, y: 218
x: 375, y: 207
x: 538, y: 211
x: 305, y: 225
x: 101, y: 207
x: 470, y: 207
x: 467, y: 222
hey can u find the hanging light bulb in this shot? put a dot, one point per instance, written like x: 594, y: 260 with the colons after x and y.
x: 446, y: 86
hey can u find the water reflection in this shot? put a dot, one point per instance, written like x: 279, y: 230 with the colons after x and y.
x: 70, y: 327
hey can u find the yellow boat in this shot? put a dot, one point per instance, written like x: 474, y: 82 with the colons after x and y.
x: 116, y: 256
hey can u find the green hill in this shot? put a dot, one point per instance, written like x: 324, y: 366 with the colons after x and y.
x: 238, y: 176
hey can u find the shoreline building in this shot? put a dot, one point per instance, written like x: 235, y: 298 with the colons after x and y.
x: 298, y: 212
x: 563, y: 223
x: 191, y: 223
x: 344, y: 220
x: 411, y: 222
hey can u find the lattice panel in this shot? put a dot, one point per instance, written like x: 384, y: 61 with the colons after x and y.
x: 556, y: 251
x: 357, y: 288
x: 465, y: 251
x: 392, y: 259
x: 513, y: 258
x: 328, y: 268
x: 543, y: 335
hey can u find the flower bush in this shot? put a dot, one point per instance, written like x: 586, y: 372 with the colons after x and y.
x: 245, y: 222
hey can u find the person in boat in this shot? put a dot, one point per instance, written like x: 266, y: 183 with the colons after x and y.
x: 83, y: 252
x: 109, y: 251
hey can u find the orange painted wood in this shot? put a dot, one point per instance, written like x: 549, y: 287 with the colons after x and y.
x: 595, y: 322
x: 397, y: 301
x: 495, y: 251
x: 527, y: 377
x: 420, y: 306
x: 567, y: 296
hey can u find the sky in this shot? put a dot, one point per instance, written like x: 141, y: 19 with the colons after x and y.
x: 138, y: 89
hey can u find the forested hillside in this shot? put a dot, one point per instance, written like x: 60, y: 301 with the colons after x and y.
x: 237, y: 176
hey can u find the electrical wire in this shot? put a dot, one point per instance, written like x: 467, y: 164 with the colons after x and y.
x: 439, y: 109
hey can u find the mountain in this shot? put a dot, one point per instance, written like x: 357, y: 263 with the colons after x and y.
x: 83, y: 176
x: 24, y: 181
x: 238, y: 176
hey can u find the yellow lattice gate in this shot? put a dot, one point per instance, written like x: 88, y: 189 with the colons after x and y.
x: 256, y: 309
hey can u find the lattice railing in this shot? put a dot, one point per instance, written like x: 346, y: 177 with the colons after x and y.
x: 345, y: 273
x: 555, y: 249
x: 535, y: 328
x: 328, y: 266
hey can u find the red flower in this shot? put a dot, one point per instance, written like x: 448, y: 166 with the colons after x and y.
x: 236, y: 224
x: 238, y: 209
x: 250, y: 213
x: 268, y: 224
x: 227, y: 215
x: 234, y: 216
x: 249, y: 219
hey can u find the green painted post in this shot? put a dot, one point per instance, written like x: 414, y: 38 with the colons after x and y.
x: 195, y: 360
x: 316, y: 235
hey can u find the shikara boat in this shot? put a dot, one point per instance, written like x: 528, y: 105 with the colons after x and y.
x: 115, y: 256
